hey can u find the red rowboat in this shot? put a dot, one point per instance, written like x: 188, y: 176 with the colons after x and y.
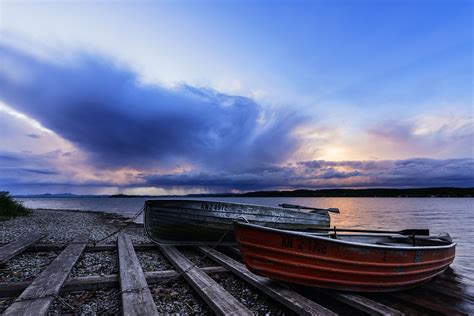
x: 352, y: 262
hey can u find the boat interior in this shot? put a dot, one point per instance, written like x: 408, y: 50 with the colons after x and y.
x: 389, y: 240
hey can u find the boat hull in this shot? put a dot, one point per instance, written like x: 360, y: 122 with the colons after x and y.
x: 330, y: 263
x: 194, y: 222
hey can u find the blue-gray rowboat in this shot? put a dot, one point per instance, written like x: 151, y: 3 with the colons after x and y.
x: 197, y: 222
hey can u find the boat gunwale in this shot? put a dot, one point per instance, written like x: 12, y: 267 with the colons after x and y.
x: 306, y: 217
x: 344, y: 242
x: 230, y: 220
x: 288, y: 210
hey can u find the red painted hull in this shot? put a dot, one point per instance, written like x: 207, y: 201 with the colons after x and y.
x: 331, y: 263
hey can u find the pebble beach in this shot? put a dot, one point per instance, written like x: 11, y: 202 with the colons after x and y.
x: 62, y: 226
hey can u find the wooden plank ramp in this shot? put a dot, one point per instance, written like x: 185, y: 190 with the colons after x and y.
x: 16, y: 247
x: 38, y: 296
x: 218, y: 299
x: 94, y: 282
x: 364, y: 304
x: 358, y: 302
x: 438, y: 308
x: 449, y: 290
x: 136, y: 296
x: 294, y: 301
x: 90, y: 248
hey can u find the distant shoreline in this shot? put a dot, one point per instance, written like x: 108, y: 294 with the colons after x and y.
x: 445, y: 192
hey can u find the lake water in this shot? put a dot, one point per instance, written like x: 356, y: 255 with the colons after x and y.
x: 452, y: 215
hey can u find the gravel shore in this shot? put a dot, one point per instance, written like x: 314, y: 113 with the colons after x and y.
x: 257, y: 302
x: 153, y: 261
x: 26, y: 267
x: 200, y: 260
x: 105, y: 301
x: 173, y: 296
x: 96, y: 263
x: 64, y: 226
x: 178, y: 297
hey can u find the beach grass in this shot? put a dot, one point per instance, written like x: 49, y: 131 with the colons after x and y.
x: 11, y: 208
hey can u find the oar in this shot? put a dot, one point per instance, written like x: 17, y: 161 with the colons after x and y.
x: 443, y: 236
x: 300, y: 207
x: 406, y: 232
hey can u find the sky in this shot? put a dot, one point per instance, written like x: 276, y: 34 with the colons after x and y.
x: 178, y: 97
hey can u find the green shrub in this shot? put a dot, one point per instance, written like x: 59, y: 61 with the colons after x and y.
x: 9, y: 207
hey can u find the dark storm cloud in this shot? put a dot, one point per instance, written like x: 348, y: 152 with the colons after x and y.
x: 319, y: 174
x: 8, y: 158
x: 44, y: 171
x: 119, y: 122
x: 429, y: 172
x: 230, y: 140
x: 26, y: 167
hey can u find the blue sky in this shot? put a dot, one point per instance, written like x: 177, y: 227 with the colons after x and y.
x: 206, y: 96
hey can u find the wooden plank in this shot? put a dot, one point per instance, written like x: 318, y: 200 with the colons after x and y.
x: 89, y: 248
x: 460, y: 276
x: 456, y: 283
x: 356, y: 301
x: 158, y: 276
x: 364, y: 304
x: 10, y: 250
x: 136, y: 296
x: 234, y: 250
x: 47, y: 247
x: 218, y: 299
x: 449, y: 290
x: 294, y: 301
x: 93, y: 282
x: 431, y: 305
x: 37, y: 297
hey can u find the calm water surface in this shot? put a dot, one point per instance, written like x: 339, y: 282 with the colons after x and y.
x: 452, y: 215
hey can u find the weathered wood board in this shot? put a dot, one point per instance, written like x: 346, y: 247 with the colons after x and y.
x: 294, y: 301
x: 218, y: 299
x: 136, y: 296
x: 37, y: 297
x: 90, y: 247
x: 364, y: 304
x: 433, y: 306
x: 93, y: 282
x: 16, y: 247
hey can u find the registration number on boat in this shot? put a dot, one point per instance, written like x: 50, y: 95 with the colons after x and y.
x: 213, y: 207
x: 304, y: 244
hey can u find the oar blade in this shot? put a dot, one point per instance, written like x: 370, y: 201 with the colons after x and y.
x: 286, y: 205
x: 313, y: 209
x: 417, y: 232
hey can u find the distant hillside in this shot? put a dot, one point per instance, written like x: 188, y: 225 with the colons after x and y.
x: 420, y: 192
x: 58, y: 195
x: 423, y: 192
